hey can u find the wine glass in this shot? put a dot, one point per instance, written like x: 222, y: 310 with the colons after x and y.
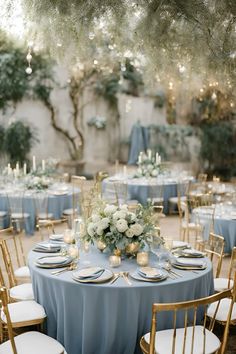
x: 155, y: 247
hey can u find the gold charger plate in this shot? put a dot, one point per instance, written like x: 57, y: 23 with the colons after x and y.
x: 104, y: 278
x: 188, y: 268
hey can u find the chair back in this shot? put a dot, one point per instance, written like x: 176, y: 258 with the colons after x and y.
x: 121, y: 192
x: 202, y: 177
x: 156, y: 193
x: 232, y: 266
x: 41, y: 204
x: 78, y: 184
x: 192, y: 313
x: 7, y: 263
x: 214, y: 248
x: 4, y: 308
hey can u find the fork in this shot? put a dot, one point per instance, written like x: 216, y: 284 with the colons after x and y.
x: 71, y: 267
x: 125, y: 276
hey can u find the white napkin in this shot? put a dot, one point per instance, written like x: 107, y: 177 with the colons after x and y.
x: 179, y: 244
x: 190, y: 262
x: 56, y: 237
x: 192, y: 252
x: 89, y: 273
x: 149, y: 272
x: 53, y: 260
x: 46, y: 246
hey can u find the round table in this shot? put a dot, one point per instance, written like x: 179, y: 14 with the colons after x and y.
x: 224, y: 224
x: 109, y: 318
x: 60, y: 197
x: 139, y: 188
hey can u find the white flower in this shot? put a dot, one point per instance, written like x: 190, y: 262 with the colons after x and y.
x: 124, y: 207
x: 95, y: 218
x: 99, y: 231
x: 137, y: 229
x: 104, y: 223
x: 120, y: 214
x: 132, y: 216
x: 154, y: 173
x: 121, y: 225
x: 110, y: 209
x: 149, y: 167
x: 129, y: 233
x: 91, y: 229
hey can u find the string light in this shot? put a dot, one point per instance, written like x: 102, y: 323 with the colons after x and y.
x: 28, y: 70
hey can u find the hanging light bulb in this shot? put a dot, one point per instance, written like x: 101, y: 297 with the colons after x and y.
x: 28, y: 70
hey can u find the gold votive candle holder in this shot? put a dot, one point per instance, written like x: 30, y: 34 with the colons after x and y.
x: 73, y: 251
x: 142, y: 258
x: 114, y: 261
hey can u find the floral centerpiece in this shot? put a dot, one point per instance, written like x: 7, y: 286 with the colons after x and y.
x: 148, y: 165
x: 119, y: 229
x: 37, y: 183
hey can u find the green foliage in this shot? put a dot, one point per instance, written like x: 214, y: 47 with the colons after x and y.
x: 218, y: 141
x: 108, y: 86
x: 15, y: 84
x: 2, y: 134
x: 18, y: 140
x: 134, y: 79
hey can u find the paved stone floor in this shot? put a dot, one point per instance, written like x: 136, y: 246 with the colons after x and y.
x: 170, y: 229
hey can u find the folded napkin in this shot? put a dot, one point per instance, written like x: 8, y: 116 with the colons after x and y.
x: 150, y: 273
x: 56, y: 237
x: 54, y: 260
x: 89, y: 273
x: 179, y: 244
x: 192, y: 252
x: 190, y: 262
x: 46, y: 246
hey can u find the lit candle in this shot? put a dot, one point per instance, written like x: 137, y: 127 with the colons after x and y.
x: 34, y: 163
x: 114, y: 261
x: 149, y: 153
x: 25, y: 169
x: 157, y: 158
x: 140, y: 158
x: 124, y: 170
x: 68, y: 236
x: 14, y: 173
x: 8, y: 169
x: 73, y: 251
x: 17, y: 168
x: 43, y: 165
x: 142, y: 258
x: 117, y: 167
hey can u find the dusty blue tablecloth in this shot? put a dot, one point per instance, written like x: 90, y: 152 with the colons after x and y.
x: 109, y: 318
x: 56, y: 205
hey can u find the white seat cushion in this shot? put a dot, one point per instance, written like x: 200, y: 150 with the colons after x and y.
x: 163, y: 341
x: 24, y: 311
x: 69, y: 211
x: 223, y: 310
x: 191, y: 225
x: 22, y: 272
x: 221, y: 284
x: 45, y: 215
x: 22, y: 292
x: 2, y: 214
x: 33, y: 343
x: 157, y: 200
x: 19, y: 216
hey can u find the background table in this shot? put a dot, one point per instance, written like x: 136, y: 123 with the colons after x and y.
x: 109, y: 318
x: 139, y: 188
x: 56, y: 204
x: 224, y: 224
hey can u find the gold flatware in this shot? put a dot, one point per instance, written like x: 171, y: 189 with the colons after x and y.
x: 115, y: 278
x: 125, y: 276
x: 70, y: 267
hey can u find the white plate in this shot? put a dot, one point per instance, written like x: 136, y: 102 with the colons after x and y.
x: 55, y: 260
x: 105, y: 276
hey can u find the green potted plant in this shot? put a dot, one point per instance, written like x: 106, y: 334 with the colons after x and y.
x: 18, y: 141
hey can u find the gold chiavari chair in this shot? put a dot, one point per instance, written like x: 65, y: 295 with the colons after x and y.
x: 43, y: 216
x: 29, y: 342
x: 13, y: 249
x: 99, y: 177
x: 22, y: 314
x: 214, y: 248
x: 186, y: 225
x: 204, y: 216
x: 156, y: 194
x: 221, y: 284
x: 19, y: 292
x: 202, y: 177
x: 196, y: 335
x: 182, y: 192
x: 78, y: 184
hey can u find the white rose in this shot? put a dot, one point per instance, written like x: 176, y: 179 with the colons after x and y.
x: 137, y: 229
x: 120, y: 214
x: 132, y: 216
x: 154, y: 173
x: 104, y: 223
x: 99, y: 231
x: 124, y: 207
x: 129, y: 233
x: 95, y: 218
x: 110, y: 209
x: 91, y: 229
x: 121, y: 225
x: 149, y: 167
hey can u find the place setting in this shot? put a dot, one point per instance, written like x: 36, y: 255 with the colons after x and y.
x: 50, y: 262
x: 93, y: 275
x: 149, y: 274
x: 47, y: 247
